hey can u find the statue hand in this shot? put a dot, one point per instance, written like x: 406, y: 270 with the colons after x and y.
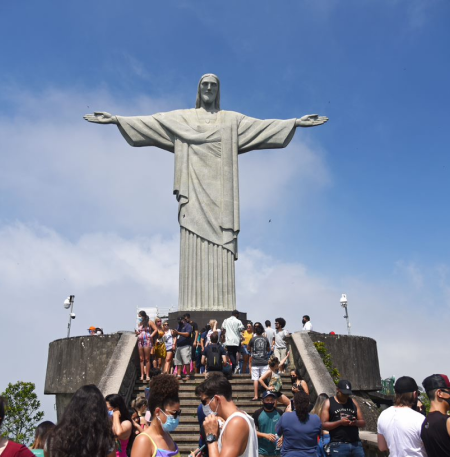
x: 100, y: 117
x: 311, y: 120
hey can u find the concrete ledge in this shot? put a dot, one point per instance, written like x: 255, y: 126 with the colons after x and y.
x: 370, y: 444
x: 75, y: 362
x: 313, y: 370
x: 120, y: 373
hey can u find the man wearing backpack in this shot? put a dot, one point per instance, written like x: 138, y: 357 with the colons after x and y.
x: 259, y: 349
x: 214, y: 356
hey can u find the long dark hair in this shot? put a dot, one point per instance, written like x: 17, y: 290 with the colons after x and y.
x: 301, y: 403
x: 85, y: 428
x: 41, y: 433
x: 145, y: 318
x: 117, y: 402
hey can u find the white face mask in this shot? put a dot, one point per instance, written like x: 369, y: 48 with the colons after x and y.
x: 207, y: 409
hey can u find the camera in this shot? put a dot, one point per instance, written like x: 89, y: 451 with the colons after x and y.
x: 72, y: 315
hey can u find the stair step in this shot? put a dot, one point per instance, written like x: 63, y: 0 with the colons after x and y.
x: 237, y: 378
x: 187, y: 433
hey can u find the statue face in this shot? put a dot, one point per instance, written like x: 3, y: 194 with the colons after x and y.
x: 208, y: 90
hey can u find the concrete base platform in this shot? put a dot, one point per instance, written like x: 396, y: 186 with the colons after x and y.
x: 203, y: 317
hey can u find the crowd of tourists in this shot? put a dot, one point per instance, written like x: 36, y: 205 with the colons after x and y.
x: 287, y: 425
x: 230, y: 348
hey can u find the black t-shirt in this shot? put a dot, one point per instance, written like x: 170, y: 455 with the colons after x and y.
x: 259, y: 349
x: 337, y: 412
x: 435, y: 436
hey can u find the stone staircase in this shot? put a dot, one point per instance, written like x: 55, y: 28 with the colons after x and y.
x: 187, y: 433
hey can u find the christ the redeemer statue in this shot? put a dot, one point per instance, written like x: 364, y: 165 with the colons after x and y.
x: 206, y: 142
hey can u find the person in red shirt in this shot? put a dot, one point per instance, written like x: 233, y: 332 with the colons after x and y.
x: 9, y: 448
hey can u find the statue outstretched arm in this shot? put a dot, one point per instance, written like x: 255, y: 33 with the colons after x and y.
x: 311, y: 120
x: 101, y: 117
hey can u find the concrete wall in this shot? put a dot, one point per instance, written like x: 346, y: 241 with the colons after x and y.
x: 109, y: 361
x: 356, y: 358
x: 75, y: 362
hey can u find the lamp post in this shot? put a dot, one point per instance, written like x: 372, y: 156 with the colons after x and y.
x: 68, y: 303
x: 343, y: 302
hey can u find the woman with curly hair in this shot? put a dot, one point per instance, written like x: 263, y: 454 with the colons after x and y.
x: 122, y: 426
x: 299, y: 429
x: 84, y: 429
x: 164, y: 406
x: 145, y: 332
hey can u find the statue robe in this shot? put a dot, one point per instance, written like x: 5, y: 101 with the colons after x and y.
x: 206, y: 186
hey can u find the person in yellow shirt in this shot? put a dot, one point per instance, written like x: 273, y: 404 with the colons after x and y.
x: 247, y: 360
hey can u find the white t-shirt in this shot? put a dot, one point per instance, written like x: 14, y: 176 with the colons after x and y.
x: 208, y: 336
x: 307, y: 327
x: 233, y: 328
x: 400, y: 427
x: 270, y: 334
x: 168, y: 340
x: 280, y: 337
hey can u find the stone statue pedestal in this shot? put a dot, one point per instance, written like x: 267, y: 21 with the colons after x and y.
x: 203, y: 317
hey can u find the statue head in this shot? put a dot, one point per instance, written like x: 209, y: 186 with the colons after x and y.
x: 208, y: 91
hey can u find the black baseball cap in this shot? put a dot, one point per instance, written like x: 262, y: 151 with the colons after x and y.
x: 345, y: 387
x: 268, y: 393
x: 436, y: 381
x: 405, y: 384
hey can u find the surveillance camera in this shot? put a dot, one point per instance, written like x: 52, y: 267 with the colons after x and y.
x: 67, y: 303
x: 72, y: 315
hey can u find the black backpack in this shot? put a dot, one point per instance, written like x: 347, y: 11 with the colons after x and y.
x: 213, y: 356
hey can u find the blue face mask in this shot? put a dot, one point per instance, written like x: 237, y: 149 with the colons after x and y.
x: 171, y: 423
x: 110, y: 413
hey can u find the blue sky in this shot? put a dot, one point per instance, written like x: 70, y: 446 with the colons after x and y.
x: 358, y: 206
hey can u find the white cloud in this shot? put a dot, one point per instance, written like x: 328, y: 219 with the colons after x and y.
x: 276, y: 178
x: 411, y: 271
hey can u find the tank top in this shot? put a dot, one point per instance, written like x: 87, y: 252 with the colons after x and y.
x: 122, y: 452
x: 435, y: 435
x: 252, y: 444
x: 275, y: 381
x: 162, y: 452
x: 337, y: 412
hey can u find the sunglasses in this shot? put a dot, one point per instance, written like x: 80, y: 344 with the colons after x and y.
x: 206, y: 401
x: 174, y: 414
